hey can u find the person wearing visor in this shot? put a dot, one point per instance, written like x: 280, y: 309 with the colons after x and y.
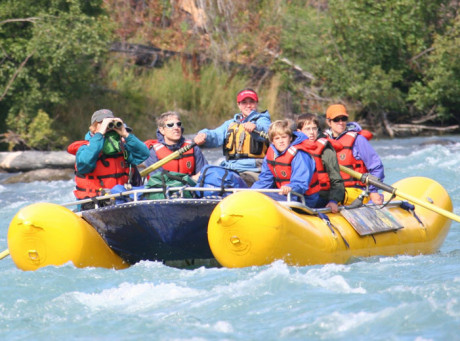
x: 353, y: 149
x: 243, y: 147
x: 170, y: 139
x: 107, y: 157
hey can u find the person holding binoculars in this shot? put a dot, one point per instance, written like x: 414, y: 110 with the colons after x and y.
x: 107, y: 157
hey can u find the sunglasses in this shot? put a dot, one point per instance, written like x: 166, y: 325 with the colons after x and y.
x: 171, y: 125
x: 340, y: 118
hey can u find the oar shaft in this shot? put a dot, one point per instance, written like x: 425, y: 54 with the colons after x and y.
x: 261, y: 133
x: 161, y: 162
x: 4, y: 254
x: 387, y: 188
x: 429, y: 206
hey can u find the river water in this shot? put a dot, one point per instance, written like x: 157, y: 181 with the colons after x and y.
x: 378, y: 298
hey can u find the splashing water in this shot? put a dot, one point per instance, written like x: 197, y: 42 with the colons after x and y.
x: 408, y: 298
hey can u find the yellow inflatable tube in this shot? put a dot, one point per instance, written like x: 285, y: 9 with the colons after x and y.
x: 250, y: 229
x: 45, y: 234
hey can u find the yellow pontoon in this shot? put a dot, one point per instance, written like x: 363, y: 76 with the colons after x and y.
x: 249, y: 228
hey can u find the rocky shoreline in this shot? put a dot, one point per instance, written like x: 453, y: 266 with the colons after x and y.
x: 28, y: 166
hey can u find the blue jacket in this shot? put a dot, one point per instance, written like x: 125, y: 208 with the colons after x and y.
x: 200, y: 160
x: 216, y: 138
x: 87, y: 155
x: 302, y: 167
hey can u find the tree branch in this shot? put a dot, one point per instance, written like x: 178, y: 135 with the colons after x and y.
x: 15, y: 75
x: 387, y: 125
x: 31, y: 19
x: 291, y: 64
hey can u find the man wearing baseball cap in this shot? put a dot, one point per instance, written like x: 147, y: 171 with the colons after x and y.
x: 107, y: 157
x: 353, y: 149
x: 244, y: 148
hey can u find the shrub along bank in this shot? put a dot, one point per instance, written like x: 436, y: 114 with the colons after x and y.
x: 388, y: 61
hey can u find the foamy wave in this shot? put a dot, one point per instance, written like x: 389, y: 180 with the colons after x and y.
x: 130, y: 298
x: 336, y: 324
x: 328, y: 277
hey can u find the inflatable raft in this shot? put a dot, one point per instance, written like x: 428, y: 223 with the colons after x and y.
x: 246, y: 228
x: 250, y: 229
x: 116, y: 235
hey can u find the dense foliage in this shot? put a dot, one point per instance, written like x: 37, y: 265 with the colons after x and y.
x: 392, y: 58
x: 49, y: 50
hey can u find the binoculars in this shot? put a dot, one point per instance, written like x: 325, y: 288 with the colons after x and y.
x: 115, y: 124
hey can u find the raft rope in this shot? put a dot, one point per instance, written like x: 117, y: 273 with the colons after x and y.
x: 331, y: 226
x: 411, y: 208
x: 393, y: 195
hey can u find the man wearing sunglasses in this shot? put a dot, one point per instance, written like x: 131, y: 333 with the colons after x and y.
x: 244, y: 148
x: 170, y: 139
x: 353, y: 150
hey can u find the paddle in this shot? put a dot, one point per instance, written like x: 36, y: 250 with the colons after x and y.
x: 4, y: 254
x: 377, y: 183
x: 261, y: 133
x: 181, y: 151
x: 161, y: 162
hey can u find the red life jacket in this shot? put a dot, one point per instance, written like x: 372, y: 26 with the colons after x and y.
x: 110, y: 170
x: 184, y: 164
x: 150, y: 143
x: 323, y: 176
x: 345, y: 157
x: 281, y: 166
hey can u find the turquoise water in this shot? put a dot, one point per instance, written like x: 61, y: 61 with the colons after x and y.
x: 379, y: 298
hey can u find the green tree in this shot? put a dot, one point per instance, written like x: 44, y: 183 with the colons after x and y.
x: 49, y: 53
x: 439, y: 89
x: 367, y: 53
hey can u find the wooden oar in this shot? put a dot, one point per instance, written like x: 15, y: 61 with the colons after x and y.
x: 377, y: 183
x: 4, y: 254
x: 261, y: 134
x: 161, y: 162
x: 181, y: 151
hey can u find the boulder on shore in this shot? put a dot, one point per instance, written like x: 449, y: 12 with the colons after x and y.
x: 46, y: 174
x: 31, y: 159
x: 37, y: 166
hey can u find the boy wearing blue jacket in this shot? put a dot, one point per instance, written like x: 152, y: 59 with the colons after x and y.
x: 288, y: 166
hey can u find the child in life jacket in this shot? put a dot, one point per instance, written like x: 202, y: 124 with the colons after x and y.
x: 288, y: 165
x: 331, y: 184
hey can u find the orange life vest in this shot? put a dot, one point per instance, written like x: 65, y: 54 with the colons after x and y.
x: 323, y: 176
x: 345, y: 157
x: 110, y: 170
x: 150, y: 143
x: 184, y: 164
x: 281, y: 166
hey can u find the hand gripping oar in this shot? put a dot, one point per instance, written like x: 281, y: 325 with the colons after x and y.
x: 4, y: 254
x: 367, y: 178
x: 161, y: 162
x: 261, y: 134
